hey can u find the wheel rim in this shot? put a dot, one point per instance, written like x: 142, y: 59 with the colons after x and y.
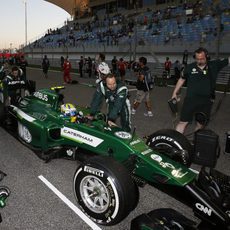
x: 168, y: 149
x: 94, y: 194
x: 164, y: 147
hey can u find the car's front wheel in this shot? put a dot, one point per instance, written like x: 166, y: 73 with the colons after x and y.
x: 173, y: 144
x: 104, y: 190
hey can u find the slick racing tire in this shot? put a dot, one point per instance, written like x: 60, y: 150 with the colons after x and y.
x: 173, y: 144
x: 104, y: 190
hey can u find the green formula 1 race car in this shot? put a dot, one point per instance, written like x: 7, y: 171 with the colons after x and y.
x: 106, y: 183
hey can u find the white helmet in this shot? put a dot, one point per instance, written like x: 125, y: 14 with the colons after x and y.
x: 103, y: 68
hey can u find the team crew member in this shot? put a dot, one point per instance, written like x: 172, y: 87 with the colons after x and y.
x: 144, y: 87
x: 201, y: 80
x: 13, y: 83
x: 23, y: 64
x: 66, y: 71
x: 116, y: 96
x: 45, y: 66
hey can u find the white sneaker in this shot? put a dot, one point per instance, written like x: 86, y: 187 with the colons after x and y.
x: 133, y: 111
x: 148, y: 114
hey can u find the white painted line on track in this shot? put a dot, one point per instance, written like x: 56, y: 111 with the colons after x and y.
x: 69, y: 203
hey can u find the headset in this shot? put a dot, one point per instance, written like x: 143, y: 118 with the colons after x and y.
x: 202, y: 49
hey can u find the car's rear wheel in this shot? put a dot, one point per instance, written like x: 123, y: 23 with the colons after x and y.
x: 173, y: 144
x: 104, y: 190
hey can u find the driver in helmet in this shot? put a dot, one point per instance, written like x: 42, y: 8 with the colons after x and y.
x: 69, y: 111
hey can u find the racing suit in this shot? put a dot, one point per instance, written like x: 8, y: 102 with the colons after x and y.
x: 12, y: 89
x: 118, y: 103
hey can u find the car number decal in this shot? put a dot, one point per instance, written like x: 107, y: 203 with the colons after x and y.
x: 81, y: 137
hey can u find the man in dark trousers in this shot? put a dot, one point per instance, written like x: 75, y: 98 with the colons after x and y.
x: 116, y: 96
x: 144, y: 87
x: 201, y: 78
x: 45, y: 66
x: 81, y: 64
x: 23, y: 64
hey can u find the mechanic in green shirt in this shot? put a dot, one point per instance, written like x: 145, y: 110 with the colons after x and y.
x: 201, y: 80
x: 116, y: 96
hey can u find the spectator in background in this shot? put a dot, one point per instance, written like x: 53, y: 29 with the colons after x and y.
x: 45, y: 66
x: 167, y: 65
x: 66, y: 71
x: 114, y: 65
x: 4, y: 70
x: 185, y: 58
x: 89, y: 66
x: 122, y: 68
x: 23, y: 64
x: 62, y: 61
x: 177, y: 70
x: 81, y: 64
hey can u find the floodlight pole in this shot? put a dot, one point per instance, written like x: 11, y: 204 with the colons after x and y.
x: 25, y: 2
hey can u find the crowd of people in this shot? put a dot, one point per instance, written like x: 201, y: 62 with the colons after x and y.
x: 200, y: 77
x: 170, y: 23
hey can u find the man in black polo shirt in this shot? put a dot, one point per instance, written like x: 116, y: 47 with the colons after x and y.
x: 201, y: 80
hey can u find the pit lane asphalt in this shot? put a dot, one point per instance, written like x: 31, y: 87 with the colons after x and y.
x: 32, y: 205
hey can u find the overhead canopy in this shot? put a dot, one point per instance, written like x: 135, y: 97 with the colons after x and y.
x: 71, y: 6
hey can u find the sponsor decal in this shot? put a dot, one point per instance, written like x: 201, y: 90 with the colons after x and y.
x: 94, y: 171
x: 24, y: 133
x: 107, y: 128
x: 16, y: 82
x: 156, y: 157
x: 135, y: 142
x: 123, y: 135
x: 81, y: 137
x: 204, y: 209
x: 177, y: 173
x: 41, y: 96
x: 146, y: 151
x: 169, y: 139
x: 194, y: 71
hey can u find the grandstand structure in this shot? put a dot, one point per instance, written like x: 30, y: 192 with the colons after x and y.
x: 134, y: 28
